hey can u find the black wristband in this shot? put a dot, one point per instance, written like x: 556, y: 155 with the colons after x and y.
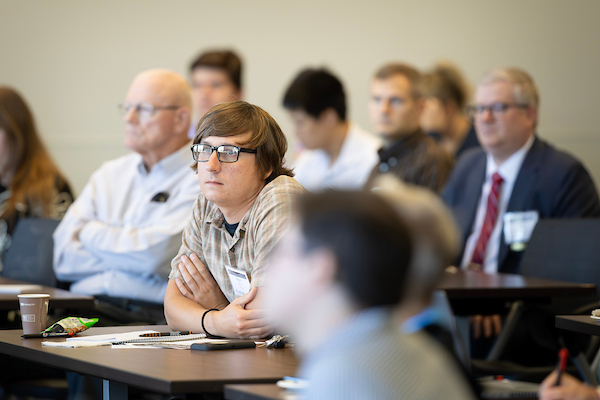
x: 208, y: 335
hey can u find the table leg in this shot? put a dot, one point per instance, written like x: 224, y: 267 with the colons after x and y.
x: 113, y: 390
x: 463, y: 330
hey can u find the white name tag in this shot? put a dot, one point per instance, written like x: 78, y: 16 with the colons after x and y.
x: 518, y: 227
x: 239, y: 280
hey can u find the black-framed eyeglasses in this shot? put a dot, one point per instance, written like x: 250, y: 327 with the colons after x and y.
x: 144, y: 110
x: 225, y: 153
x: 494, y: 108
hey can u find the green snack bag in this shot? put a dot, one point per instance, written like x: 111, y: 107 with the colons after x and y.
x: 72, y: 325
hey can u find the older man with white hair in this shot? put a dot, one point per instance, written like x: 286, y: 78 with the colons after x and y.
x: 117, y: 239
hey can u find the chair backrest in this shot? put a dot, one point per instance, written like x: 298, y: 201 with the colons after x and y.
x: 564, y: 249
x: 440, y: 302
x: 29, y: 258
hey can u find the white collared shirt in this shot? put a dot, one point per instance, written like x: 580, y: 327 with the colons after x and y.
x: 509, y: 170
x: 115, y: 240
x: 352, y: 168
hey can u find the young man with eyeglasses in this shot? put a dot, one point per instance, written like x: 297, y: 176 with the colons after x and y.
x: 118, y: 237
x: 216, y: 278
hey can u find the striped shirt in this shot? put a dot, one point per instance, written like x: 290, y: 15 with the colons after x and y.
x: 369, y: 358
x: 257, y: 232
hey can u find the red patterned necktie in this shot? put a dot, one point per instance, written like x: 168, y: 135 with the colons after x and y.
x: 491, y: 214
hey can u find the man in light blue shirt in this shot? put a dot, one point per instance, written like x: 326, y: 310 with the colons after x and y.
x: 117, y: 239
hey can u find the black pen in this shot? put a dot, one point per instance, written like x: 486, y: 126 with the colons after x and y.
x: 46, y: 335
x: 166, y: 334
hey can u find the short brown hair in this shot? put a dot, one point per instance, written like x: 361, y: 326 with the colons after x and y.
x: 224, y: 60
x: 411, y: 73
x: 239, y: 117
x: 447, y: 84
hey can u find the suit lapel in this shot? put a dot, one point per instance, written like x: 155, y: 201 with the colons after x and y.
x: 474, y: 182
x: 521, y: 198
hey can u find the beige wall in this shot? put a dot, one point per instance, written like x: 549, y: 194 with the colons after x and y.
x: 73, y: 60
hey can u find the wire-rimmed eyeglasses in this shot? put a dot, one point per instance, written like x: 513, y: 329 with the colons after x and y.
x: 144, y: 110
x: 494, y: 108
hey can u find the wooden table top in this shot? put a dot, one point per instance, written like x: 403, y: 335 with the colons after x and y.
x: 59, y: 298
x: 578, y: 323
x: 164, y: 371
x: 267, y: 391
x: 470, y: 284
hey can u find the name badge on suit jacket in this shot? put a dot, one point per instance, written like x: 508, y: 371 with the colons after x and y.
x: 518, y: 226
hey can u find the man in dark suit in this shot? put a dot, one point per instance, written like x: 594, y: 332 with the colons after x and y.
x: 535, y: 179
x: 499, y: 192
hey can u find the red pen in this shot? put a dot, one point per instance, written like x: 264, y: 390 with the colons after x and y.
x: 562, y: 363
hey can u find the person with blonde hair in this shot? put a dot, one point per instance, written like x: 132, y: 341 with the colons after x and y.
x: 31, y: 185
x: 444, y: 117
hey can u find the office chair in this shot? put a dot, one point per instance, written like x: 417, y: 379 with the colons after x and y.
x: 564, y: 249
x: 29, y: 258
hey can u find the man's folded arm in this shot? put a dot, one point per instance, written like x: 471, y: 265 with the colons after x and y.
x: 144, y: 250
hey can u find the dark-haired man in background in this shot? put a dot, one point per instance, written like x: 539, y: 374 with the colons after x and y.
x: 216, y: 76
x: 338, y: 154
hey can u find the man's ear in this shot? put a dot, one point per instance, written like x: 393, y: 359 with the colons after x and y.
x: 329, y: 116
x: 532, y: 115
x: 182, y: 116
x: 420, y: 104
x: 323, y: 267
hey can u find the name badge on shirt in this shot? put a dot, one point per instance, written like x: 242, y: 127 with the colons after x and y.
x: 518, y: 227
x: 239, y: 280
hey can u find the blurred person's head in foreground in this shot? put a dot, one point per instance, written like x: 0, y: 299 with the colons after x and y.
x: 345, y: 252
x: 434, y: 234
